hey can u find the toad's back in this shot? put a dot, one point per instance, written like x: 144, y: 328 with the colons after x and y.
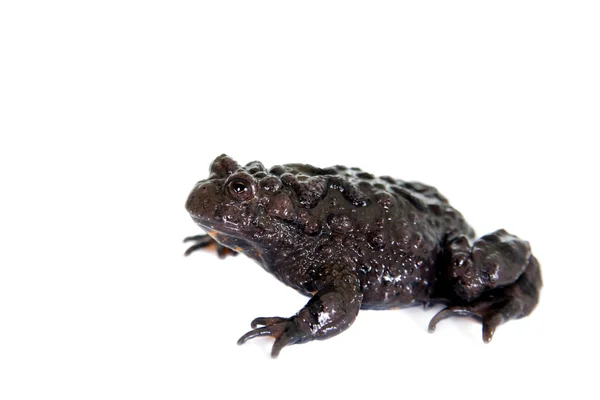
x: 391, y: 230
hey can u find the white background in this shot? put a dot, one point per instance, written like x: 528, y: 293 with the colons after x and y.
x: 110, y: 112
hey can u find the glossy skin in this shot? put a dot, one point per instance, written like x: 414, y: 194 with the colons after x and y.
x: 351, y: 240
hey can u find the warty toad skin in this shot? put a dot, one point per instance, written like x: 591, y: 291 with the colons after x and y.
x: 350, y: 240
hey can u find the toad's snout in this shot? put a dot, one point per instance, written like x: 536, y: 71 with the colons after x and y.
x: 200, y: 199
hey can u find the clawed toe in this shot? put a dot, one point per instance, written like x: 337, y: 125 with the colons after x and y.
x: 449, y: 312
x: 489, y: 317
x: 204, y: 241
x: 201, y: 241
x: 490, y: 323
x: 284, y: 330
x: 267, y: 321
x: 264, y: 331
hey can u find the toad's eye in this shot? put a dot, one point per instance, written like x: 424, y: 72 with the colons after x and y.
x: 238, y: 187
x: 240, y: 190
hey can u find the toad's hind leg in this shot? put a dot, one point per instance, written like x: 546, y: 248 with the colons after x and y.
x: 494, y: 281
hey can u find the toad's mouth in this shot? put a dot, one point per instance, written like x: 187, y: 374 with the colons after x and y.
x: 220, y: 229
x: 226, y: 234
x: 224, y: 227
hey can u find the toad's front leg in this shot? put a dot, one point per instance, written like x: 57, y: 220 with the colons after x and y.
x: 331, y: 310
x: 206, y: 241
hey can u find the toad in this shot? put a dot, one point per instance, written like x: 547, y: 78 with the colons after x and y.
x: 350, y: 240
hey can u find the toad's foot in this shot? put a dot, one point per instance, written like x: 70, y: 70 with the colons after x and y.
x: 284, y: 330
x: 489, y: 317
x: 330, y: 311
x: 205, y: 241
x: 499, y: 305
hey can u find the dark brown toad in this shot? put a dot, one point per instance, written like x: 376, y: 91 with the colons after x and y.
x: 350, y: 240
